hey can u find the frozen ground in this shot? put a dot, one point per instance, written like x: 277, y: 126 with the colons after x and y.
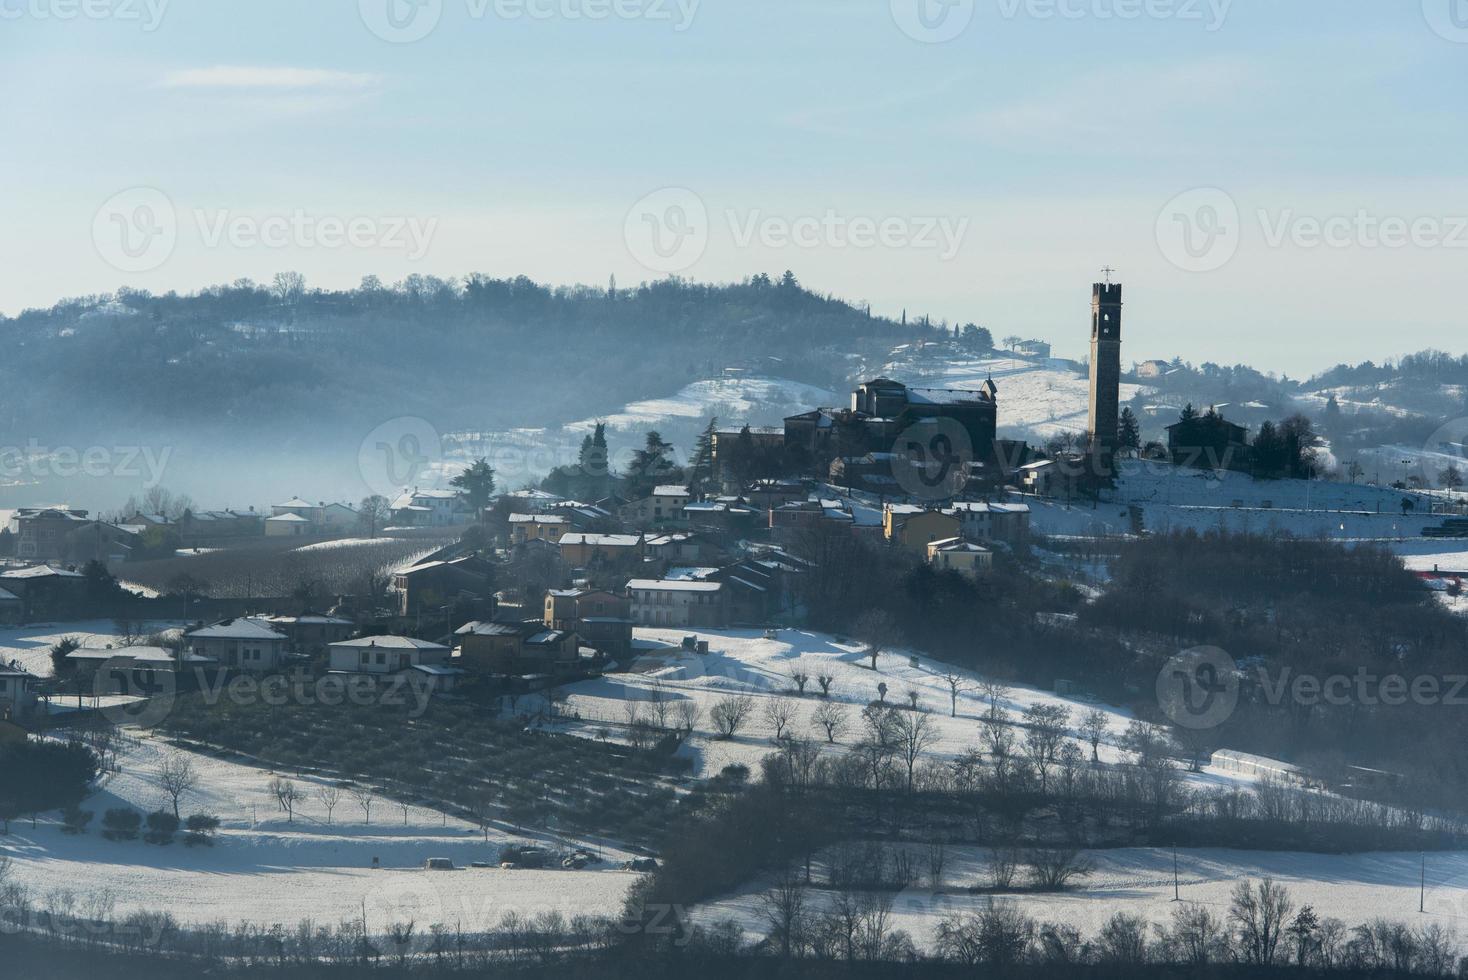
x: 268, y: 869
x: 1350, y: 887
x: 31, y: 645
x: 744, y: 662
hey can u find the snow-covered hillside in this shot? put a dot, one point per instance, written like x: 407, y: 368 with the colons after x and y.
x: 266, y: 868
x: 745, y: 662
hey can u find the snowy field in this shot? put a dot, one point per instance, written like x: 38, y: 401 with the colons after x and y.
x: 31, y: 645
x: 744, y: 662
x: 268, y: 869
x: 1350, y: 887
x: 761, y: 400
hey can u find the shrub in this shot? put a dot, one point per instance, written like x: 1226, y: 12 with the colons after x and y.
x: 74, y: 820
x: 201, y: 828
x: 121, y: 823
x: 162, y: 825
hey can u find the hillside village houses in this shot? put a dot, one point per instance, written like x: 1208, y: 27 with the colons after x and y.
x: 301, y: 517
x: 677, y: 602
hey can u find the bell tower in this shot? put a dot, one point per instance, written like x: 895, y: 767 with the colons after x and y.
x: 1105, y: 363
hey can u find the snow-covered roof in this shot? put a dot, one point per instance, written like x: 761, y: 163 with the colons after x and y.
x: 296, y: 502
x: 664, y: 585
x: 438, y: 670
x: 288, y: 519
x: 390, y: 643
x: 537, y: 519
x: 670, y: 490
x: 8, y: 596
x: 602, y: 540
x: 237, y: 629
x: 957, y: 544
x: 39, y: 571
x: 978, y: 507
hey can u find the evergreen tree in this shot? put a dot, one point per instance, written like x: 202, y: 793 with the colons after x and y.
x: 702, y: 467
x: 1129, y: 433
x: 477, y: 482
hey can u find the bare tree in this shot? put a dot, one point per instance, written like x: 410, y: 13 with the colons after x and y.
x: 1045, y: 732
x: 1054, y: 868
x: 877, y: 631
x: 783, y: 907
x: 914, y: 696
x: 937, y: 861
x: 730, y: 714
x: 287, y: 794
x: 658, y: 706
x: 955, y: 685
x: 1003, y: 866
x: 825, y: 680
x: 328, y: 795
x: 372, y: 514
x: 687, y: 712
x: 1258, y: 913
x: 831, y: 717
x: 992, y: 691
x: 800, y: 678
x: 1095, y: 724
x: 364, y: 798
x: 913, y: 733
x: 177, y: 776
x: 482, y: 809
x: 779, y: 713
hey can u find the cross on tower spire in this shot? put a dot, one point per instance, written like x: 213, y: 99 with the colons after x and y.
x: 1107, y: 271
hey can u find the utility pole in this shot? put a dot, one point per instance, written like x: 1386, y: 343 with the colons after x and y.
x: 1422, y: 886
x: 1175, y: 896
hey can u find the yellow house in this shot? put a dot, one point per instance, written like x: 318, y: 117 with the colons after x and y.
x: 580, y: 550
x: 958, y: 555
x: 538, y: 527
x: 913, y: 528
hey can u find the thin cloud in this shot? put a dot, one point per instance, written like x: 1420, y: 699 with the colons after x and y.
x: 268, y: 79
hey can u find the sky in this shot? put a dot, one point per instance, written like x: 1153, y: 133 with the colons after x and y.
x: 1276, y: 183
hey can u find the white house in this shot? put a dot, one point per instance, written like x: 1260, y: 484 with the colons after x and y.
x: 17, y: 691
x: 992, y: 522
x: 246, y: 644
x: 288, y: 525
x: 676, y: 602
x: 438, y: 508
x: 384, y: 654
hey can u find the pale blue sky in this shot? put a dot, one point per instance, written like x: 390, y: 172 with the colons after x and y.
x: 519, y: 144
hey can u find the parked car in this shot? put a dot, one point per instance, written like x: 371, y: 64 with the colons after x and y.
x: 438, y: 864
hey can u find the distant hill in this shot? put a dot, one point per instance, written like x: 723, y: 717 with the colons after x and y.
x: 251, y: 386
